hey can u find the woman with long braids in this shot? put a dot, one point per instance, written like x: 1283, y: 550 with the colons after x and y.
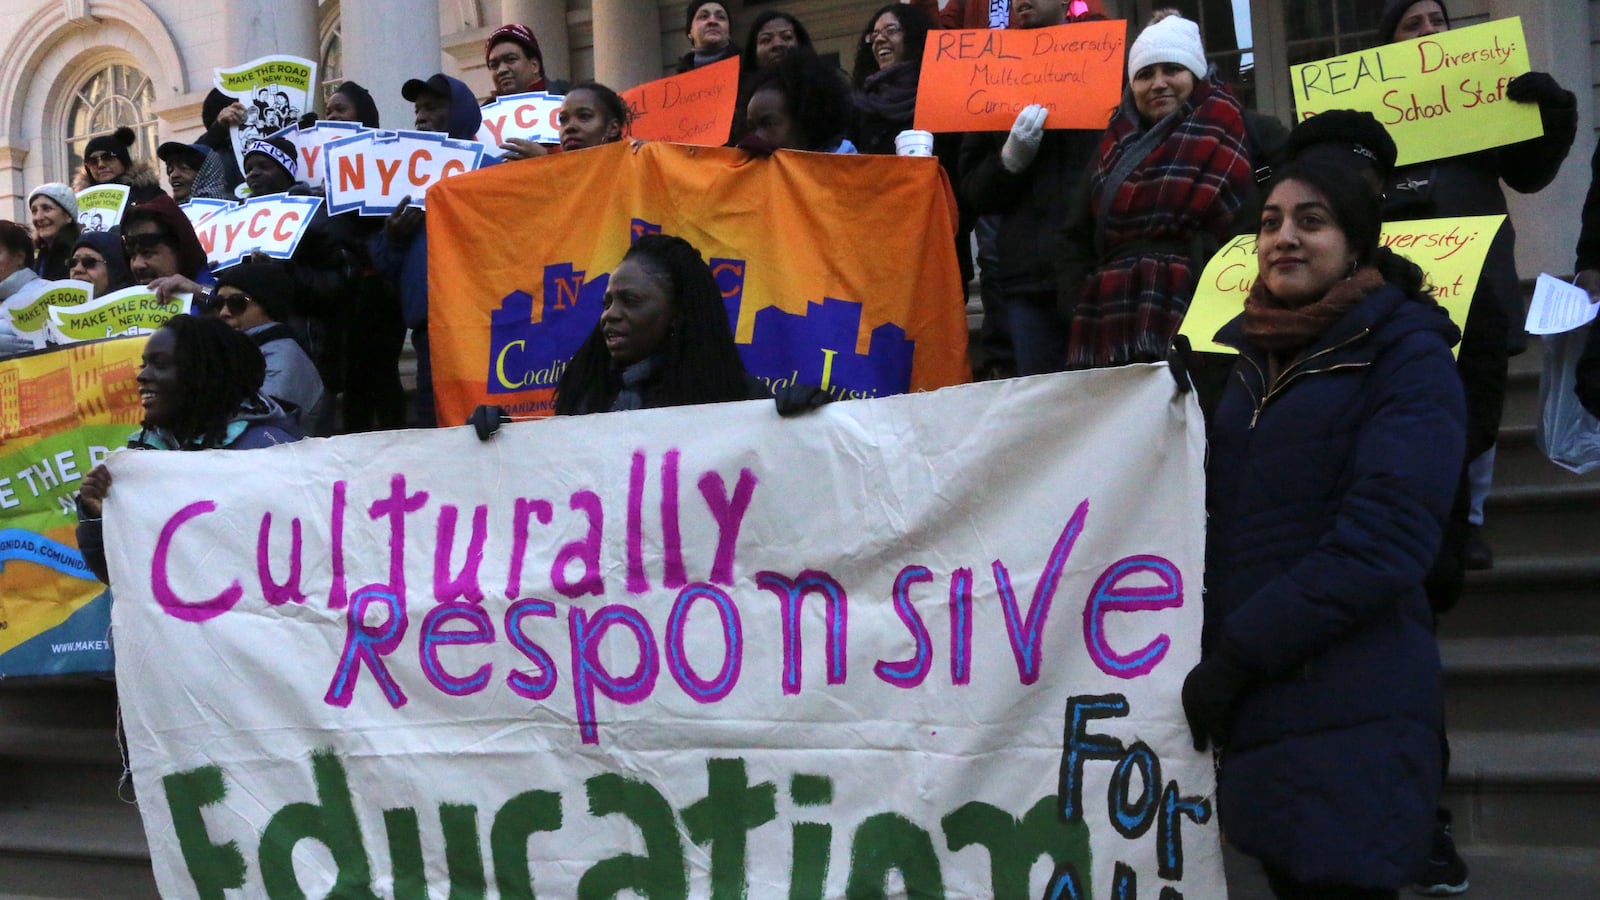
x: 663, y: 338
x: 1319, y: 681
x: 200, y: 386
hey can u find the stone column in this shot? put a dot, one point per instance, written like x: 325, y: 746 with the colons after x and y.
x: 548, y: 19
x: 627, y: 43
x: 386, y: 43
x: 263, y: 28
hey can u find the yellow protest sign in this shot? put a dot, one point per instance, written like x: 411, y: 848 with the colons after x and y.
x: 1440, y: 96
x: 134, y: 310
x: 1449, y: 251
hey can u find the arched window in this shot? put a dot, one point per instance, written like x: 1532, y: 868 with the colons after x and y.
x: 332, y: 68
x: 114, y: 96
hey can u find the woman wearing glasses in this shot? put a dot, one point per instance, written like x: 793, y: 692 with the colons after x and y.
x: 888, y: 63
x: 107, y: 161
x: 97, y: 258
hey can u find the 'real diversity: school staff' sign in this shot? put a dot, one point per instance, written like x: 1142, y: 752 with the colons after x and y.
x: 61, y: 413
x: 1439, y: 96
x: 630, y: 654
x: 1450, y: 253
x: 694, y: 107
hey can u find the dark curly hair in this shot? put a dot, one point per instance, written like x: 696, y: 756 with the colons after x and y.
x: 1355, y: 209
x: 220, y: 370
x: 15, y: 238
x: 916, y: 25
x: 815, y: 94
x: 747, y: 61
x: 700, y: 362
x: 610, y: 101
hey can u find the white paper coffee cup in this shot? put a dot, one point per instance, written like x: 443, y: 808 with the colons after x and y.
x: 913, y: 143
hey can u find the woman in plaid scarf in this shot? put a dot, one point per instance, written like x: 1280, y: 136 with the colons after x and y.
x: 1171, y: 172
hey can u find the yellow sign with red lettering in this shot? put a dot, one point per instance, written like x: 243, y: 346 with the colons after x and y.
x: 1449, y: 251
x: 1439, y: 96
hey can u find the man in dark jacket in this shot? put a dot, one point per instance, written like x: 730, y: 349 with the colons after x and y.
x: 162, y: 250
x: 1025, y: 179
x: 400, y: 253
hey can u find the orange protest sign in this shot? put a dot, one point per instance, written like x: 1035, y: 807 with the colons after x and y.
x: 693, y: 108
x: 979, y: 80
x: 861, y: 298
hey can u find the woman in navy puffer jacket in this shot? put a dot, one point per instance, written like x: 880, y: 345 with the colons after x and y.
x: 1328, y: 486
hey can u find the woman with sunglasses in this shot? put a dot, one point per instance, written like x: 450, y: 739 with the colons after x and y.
x: 256, y: 298
x: 106, y: 160
x: 97, y: 258
x: 200, y: 386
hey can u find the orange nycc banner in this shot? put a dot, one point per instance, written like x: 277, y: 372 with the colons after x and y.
x: 979, y: 80
x: 837, y: 271
x: 693, y: 108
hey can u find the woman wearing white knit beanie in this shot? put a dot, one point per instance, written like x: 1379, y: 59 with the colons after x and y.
x: 1171, y: 171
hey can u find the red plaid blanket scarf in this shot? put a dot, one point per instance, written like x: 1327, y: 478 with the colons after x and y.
x: 1190, y: 185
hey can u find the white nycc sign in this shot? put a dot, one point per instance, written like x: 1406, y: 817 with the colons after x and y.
x: 684, y: 652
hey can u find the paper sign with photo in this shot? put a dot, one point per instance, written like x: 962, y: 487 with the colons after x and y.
x: 100, y: 207
x: 274, y: 90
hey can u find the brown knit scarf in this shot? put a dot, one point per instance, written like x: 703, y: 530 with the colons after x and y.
x: 1281, y: 330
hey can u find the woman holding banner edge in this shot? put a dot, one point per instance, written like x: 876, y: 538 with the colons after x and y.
x: 1319, y: 682
x: 1170, y: 174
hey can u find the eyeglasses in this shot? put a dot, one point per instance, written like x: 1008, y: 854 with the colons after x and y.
x: 235, y: 303
x: 887, y: 32
x: 100, y: 159
x: 136, y: 244
x: 84, y: 262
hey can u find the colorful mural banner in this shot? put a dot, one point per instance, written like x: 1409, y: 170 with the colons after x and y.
x: 274, y: 90
x: 29, y: 309
x: 100, y: 207
x: 1439, y: 96
x: 978, y: 80
x: 531, y: 116
x: 309, y: 142
x: 131, y: 311
x: 862, y: 298
x: 1450, y: 253
x: 61, y: 413
x: 371, y: 172
x: 638, y: 653
x: 696, y: 107
x: 272, y: 224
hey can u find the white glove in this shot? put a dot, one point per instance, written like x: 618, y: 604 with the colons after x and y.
x: 12, y: 343
x: 1023, y: 144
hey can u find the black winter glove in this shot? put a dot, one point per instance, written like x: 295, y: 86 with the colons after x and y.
x: 1209, y: 695
x: 486, y: 421
x: 1178, y: 363
x: 1540, y: 88
x: 794, y: 399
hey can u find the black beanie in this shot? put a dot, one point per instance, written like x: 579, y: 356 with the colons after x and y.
x: 1357, y: 133
x: 1394, y: 11
x: 267, y: 283
x: 361, y: 99
x: 116, y: 143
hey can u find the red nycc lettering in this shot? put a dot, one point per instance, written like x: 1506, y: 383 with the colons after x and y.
x: 496, y: 126
x: 419, y: 155
x: 289, y: 218
x: 255, y: 230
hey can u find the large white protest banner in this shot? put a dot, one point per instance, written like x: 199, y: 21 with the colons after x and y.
x: 929, y: 644
x: 372, y: 171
